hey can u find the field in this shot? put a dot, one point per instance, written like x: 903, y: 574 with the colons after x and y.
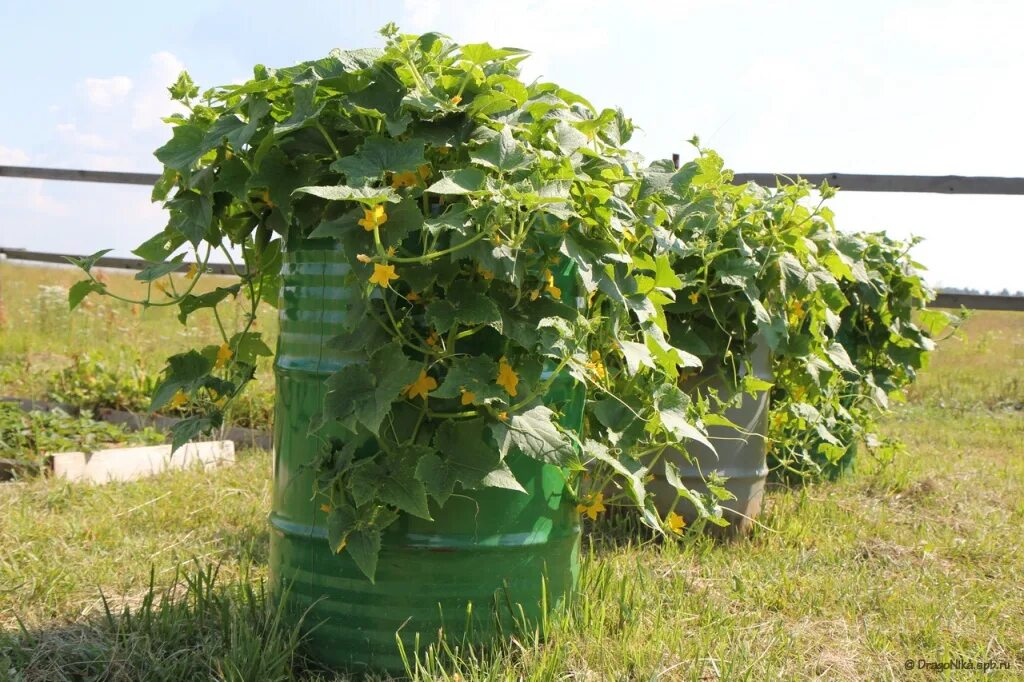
x: 891, y: 573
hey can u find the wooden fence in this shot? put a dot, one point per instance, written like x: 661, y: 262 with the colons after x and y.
x: 849, y: 182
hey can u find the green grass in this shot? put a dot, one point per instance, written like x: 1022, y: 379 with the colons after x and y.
x: 40, y: 340
x: 918, y: 559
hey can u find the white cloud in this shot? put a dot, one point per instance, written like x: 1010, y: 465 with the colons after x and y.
x: 548, y: 29
x: 12, y: 157
x: 92, y: 141
x: 104, y: 93
x: 152, y: 102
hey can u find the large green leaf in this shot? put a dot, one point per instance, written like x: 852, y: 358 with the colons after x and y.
x: 368, y: 196
x: 475, y: 374
x: 191, y: 302
x: 184, y: 372
x: 467, y: 458
x: 362, y: 394
x: 380, y: 155
x: 671, y: 404
x: 503, y: 153
x: 79, y: 290
x: 463, y: 181
x: 184, y: 149
x: 534, y: 434
x: 464, y: 306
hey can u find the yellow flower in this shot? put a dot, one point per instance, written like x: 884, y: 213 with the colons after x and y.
x: 507, y: 377
x: 596, y: 366
x: 193, y: 270
x: 222, y: 401
x: 223, y: 355
x: 503, y: 416
x: 363, y: 258
x: 432, y: 339
x: 424, y: 171
x: 423, y: 385
x: 412, y: 297
x: 486, y: 274
x: 694, y: 297
x: 468, y: 397
x: 382, y: 275
x: 373, y: 217
x: 629, y: 236
x: 407, y: 179
x: 178, y: 399
x: 565, y: 226
x: 675, y: 523
x: 391, y: 251
x: 594, y: 508
x: 456, y: 99
x: 552, y: 289
x: 325, y: 508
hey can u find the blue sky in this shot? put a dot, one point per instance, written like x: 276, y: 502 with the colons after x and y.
x: 883, y: 87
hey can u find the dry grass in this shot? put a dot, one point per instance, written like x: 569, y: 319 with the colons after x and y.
x: 918, y: 559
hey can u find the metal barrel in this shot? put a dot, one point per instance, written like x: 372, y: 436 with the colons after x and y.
x: 490, y: 562
x: 739, y: 456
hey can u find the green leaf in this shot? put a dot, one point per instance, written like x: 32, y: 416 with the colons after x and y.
x: 191, y: 303
x: 380, y: 155
x: 341, y: 521
x: 503, y: 153
x: 771, y: 327
x: 361, y: 394
x: 475, y: 374
x: 184, y: 372
x: 671, y: 404
x: 454, y: 219
x: 184, y: 148
x: 159, y: 246
x: 398, y: 484
x: 79, y: 290
x: 463, y: 181
x: 637, y: 355
x: 158, y: 270
x: 183, y: 88
x: 191, y: 215
x: 836, y: 352
x: 754, y: 385
x: 304, y: 110
x: 534, y: 434
x: 232, y: 177
x: 569, y: 139
x: 282, y: 177
x: 469, y: 460
x: 634, y: 476
x: 247, y: 346
x: 87, y: 262
x: 367, y: 196
x: 364, y: 548
x: 184, y: 431
x: 465, y: 306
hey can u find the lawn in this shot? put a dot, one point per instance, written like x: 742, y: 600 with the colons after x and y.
x: 916, y: 560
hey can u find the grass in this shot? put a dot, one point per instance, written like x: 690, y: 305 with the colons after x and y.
x: 919, y: 559
x: 43, y: 345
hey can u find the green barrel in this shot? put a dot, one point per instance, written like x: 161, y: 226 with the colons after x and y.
x: 489, y: 560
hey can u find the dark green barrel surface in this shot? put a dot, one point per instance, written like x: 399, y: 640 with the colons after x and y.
x: 487, y: 553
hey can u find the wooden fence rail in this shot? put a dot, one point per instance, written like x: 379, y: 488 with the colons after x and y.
x: 942, y: 299
x: 850, y: 182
